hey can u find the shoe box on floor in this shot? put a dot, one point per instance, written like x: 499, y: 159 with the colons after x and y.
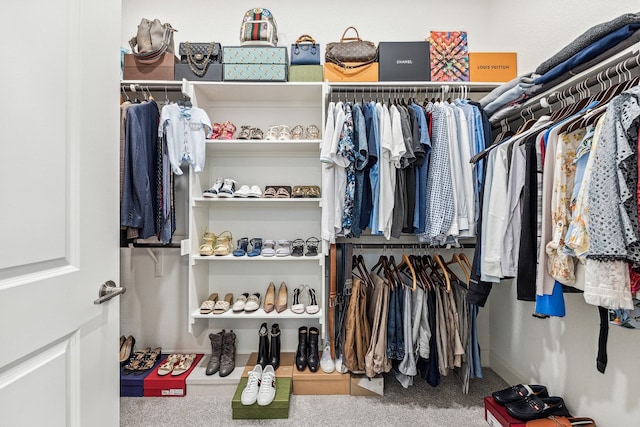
x: 168, y: 385
x: 361, y: 385
x: 497, y: 415
x: 279, y: 408
x: 162, y: 69
x: 132, y: 385
x: 285, y: 370
x: 307, y: 382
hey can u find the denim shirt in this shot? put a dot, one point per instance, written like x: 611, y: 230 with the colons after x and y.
x: 374, y: 171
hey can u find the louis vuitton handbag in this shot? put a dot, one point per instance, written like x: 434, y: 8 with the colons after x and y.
x: 351, y: 52
x: 200, y: 55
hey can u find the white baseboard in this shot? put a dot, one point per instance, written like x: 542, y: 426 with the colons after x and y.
x: 504, y: 370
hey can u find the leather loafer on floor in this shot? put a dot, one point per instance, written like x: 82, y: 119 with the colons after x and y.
x: 534, y: 407
x: 518, y: 392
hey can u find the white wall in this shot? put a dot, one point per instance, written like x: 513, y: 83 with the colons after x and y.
x: 557, y: 352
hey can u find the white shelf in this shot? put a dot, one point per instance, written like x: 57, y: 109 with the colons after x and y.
x: 206, y: 201
x: 258, y: 314
x: 258, y: 92
x: 258, y: 258
x: 261, y: 146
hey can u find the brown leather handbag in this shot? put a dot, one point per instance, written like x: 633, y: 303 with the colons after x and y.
x: 351, y: 50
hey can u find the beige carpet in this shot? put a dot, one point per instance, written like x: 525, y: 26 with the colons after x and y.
x: 419, y: 405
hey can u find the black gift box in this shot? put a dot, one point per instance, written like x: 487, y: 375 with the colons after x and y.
x: 404, y: 61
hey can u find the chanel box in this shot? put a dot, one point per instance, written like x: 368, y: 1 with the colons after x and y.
x: 404, y: 61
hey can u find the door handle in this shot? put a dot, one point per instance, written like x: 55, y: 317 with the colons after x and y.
x: 107, y: 291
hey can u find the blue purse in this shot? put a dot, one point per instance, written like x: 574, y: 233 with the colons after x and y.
x: 305, y: 51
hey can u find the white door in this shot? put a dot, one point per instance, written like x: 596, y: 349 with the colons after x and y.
x: 59, y: 130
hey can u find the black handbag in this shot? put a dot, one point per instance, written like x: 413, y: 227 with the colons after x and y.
x: 200, y: 55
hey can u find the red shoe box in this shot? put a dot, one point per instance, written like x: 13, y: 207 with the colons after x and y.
x: 133, y: 385
x: 168, y: 385
x: 497, y: 415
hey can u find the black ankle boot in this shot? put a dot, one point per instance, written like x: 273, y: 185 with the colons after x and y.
x: 313, y: 360
x: 301, y: 354
x: 263, y: 345
x: 275, y: 346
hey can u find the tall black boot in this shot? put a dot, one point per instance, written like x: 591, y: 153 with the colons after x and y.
x: 263, y: 345
x: 313, y: 360
x: 301, y: 354
x: 275, y: 346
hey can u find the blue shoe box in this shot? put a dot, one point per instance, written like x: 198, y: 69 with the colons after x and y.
x: 133, y: 385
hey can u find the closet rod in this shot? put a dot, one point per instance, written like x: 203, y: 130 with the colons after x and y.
x: 407, y: 246
x: 623, y: 69
x: 135, y: 87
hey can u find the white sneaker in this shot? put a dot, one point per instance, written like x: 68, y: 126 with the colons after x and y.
x: 326, y: 362
x: 267, y: 386
x: 255, y: 191
x: 250, y: 392
x: 228, y: 188
x: 243, y: 191
x: 215, y: 188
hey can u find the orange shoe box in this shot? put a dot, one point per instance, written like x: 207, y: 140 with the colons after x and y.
x: 168, y: 385
x: 285, y: 370
x: 497, y: 415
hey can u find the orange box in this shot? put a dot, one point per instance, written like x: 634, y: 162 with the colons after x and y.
x: 336, y: 73
x: 285, y: 370
x: 493, y: 66
x: 307, y: 382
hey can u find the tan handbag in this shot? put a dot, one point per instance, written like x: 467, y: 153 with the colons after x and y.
x: 152, y: 40
x: 352, y: 50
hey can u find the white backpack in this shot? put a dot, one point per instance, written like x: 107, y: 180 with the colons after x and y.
x: 259, y: 28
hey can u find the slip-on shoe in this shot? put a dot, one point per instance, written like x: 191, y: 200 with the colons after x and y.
x: 534, y: 407
x: 517, y: 392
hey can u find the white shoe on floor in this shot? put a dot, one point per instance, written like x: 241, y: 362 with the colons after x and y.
x: 267, y: 386
x: 326, y: 362
x: 250, y: 392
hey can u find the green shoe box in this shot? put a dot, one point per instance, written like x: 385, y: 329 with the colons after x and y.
x: 306, y: 73
x: 279, y: 408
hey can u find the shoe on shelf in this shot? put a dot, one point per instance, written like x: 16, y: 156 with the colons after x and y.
x: 223, y: 306
x: 212, y: 192
x: 312, y: 132
x: 256, y: 133
x: 282, y: 298
x: 533, y: 407
x: 126, y: 348
x: 297, y: 247
x: 517, y: 392
x: 213, y: 365
x: 207, y: 305
x: 268, y: 248
x: 227, y: 131
x: 270, y: 192
x: 272, y: 133
x: 243, y: 245
x: 250, y: 393
x: 206, y: 248
x: 284, y: 133
x: 312, y: 246
x: 270, y: 298
x: 184, y: 364
x: 242, y: 192
x: 224, y: 245
x: 326, y: 361
x: 245, y: 132
x: 253, y: 302
x: 254, y: 192
x: 167, y: 366
x: 284, y: 248
x: 228, y: 356
x: 228, y: 189
x: 267, y: 390
x: 312, y: 307
x: 256, y: 247
x: 240, y: 303
x: 297, y: 132
x: 296, y: 305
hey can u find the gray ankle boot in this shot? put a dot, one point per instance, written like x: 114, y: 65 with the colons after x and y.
x: 216, y: 351
x: 228, y: 358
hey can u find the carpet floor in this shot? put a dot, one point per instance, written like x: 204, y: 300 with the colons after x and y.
x: 419, y: 405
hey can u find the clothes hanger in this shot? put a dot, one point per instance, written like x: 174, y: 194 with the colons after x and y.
x: 455, y: 259
x: 124, y: 92
x: 440, y: 264
x: 406, y: 262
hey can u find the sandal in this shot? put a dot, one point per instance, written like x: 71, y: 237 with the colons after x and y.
x: 312, y: 246
x: 297, y: 247
x: 272, y: 133
x: 206, y: 249
x: 186, y: 360
x: 223, y: 306
x: 283, y: 192
x: 256, y: 247
x: 223, y: 244
x: 242, y: 247
x: 284, y: 248
x: 136, y: 361
x: 297, y: 132
x: 216, y: 130
x: 167, y: 365
x: 228, y: 129
x: 312, y: 191
x: 245, y: 132
x: 269, y: 192
x: 256, y: 133
x: 298, y: 192
x: 149, y: 361
x: 268, y: 248
x: 207, y: 305
x: 312, y: 132
x: 285, y: 133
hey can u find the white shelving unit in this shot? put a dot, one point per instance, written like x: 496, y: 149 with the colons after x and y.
x: 262, y: 163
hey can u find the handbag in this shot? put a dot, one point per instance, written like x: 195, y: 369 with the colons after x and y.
x: 351, y: 49
x: 258, y: 28
x: 305, y: 51
x: 200, y: 55
x: 152, y: 40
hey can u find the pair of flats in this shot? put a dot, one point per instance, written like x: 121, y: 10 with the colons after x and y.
x: 247, y: 302
x: 223, y: 188
x: 530, y: 402
x: 261, y: 386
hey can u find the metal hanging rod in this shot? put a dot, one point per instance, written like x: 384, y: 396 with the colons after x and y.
x: 421, y: 246
x: 136, y: 87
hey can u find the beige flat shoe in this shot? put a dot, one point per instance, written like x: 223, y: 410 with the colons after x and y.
x: 270, y: 298
x: 283, y: 296
x: 207, y: 306
x: 223, y: 305
x: 185, y: 362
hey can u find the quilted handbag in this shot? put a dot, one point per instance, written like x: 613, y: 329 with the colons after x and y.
x: 305, y: 51
x: 152, y: 40
x: 351, y: 49
x: 200, y: 52
x: 259, y: 28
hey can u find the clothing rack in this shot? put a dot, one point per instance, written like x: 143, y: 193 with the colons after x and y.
x: 418, y: 246
x: 405, y: 89
x: 624, y: 66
